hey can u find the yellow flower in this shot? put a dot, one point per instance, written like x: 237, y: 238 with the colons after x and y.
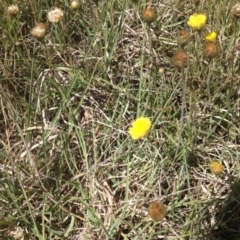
x: 140, y: 128
x: 211, y: 37
x: 197, y: 21
x: 216, y: 167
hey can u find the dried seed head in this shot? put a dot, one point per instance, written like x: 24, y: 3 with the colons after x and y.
x: 161, y: 70
x: 236, y: 10
x: 183, y: 37
x: 157, y: 31
x: 180, y: 59
x: 216, y: 168
x: 75, y: 4
x: 157, y: 211
x: 13, y: 9
x: 39, y: 31
x: 149, y: 15
x: 55, y: 15
x: 211, y: 49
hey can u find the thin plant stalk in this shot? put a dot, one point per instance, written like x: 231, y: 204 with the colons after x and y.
x: 183, y: 107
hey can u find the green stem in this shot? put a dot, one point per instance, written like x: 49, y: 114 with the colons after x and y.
x: 183, y: 107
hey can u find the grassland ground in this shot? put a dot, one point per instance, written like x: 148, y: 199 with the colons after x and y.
x: 70, y: 88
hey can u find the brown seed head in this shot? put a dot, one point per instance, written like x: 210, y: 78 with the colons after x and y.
x: 157, y: 31
x: 216, y: 168
x: 39, y: 31
x: 211, y: 49
x: 149, y: 15
x: 180, y: 59
x: 183, y: 37
x: 157, y: 211
x: 236, y: 10
x: 13, y: 9
x: 197, y: 2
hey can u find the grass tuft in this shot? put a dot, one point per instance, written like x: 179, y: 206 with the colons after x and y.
x: 69, y: 168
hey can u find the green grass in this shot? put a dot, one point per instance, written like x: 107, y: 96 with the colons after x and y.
x: 69, y: 169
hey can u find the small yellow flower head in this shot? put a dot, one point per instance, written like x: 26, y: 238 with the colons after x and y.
x: 13, y: 9
x: 140, y: 128
x: 75, y: 4
x: 197, y: 21
x: 216, y: 167
x: 211, y: 49
x: 183, y: 37
x: 55, y: 15
x: 149, y: 15
x: 39, y: 31
x: 180, y: 59
x: 236, y: 10
x: 211, y: 37
x: 157, y: 211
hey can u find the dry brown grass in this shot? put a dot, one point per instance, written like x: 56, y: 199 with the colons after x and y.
x: 68, y: 168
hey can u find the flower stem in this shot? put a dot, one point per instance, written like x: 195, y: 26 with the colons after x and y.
x: 183, y: 107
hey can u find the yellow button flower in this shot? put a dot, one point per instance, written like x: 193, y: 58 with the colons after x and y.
x: 216, y: 168
x: 197, y: 21
x: 140, y: 128
x: 211, y: 37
